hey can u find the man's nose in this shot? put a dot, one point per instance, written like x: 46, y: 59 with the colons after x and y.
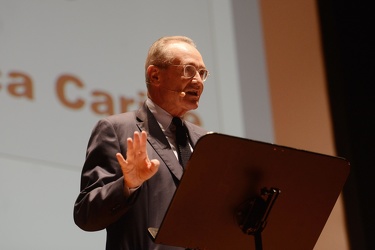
x: 198, y: 77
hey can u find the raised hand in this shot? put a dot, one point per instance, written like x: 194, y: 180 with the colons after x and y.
x: 137, y: 167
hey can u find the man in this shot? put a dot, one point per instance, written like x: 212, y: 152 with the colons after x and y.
x: 132, y: 168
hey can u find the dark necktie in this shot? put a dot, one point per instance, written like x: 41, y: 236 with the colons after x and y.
x: 183, y: 147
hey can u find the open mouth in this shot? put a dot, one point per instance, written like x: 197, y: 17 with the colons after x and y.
x: 193, y: 92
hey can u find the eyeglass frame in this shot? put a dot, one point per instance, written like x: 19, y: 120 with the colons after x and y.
x: 189, y: 65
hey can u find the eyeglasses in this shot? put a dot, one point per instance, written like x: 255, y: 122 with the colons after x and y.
x: 190, y: 71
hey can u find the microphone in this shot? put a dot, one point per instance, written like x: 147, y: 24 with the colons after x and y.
x: 180, y: 93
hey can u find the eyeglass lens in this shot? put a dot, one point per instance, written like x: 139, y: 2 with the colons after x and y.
x: 190, y: 71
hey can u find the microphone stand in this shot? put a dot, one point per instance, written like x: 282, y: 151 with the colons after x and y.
x: 253, y: 213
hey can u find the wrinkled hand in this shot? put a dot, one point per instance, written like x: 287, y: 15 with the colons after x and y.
x: 137, y: 167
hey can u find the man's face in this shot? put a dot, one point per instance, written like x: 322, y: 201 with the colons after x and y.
x: 178, y: 94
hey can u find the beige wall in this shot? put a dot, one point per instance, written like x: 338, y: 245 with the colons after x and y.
x: 298, y: 91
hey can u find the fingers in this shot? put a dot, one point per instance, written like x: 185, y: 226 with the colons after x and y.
x: 120, y: 158
x: 137, y: 167
x: 138, y: 143
x: 143, y: 141
x: 154, y: 166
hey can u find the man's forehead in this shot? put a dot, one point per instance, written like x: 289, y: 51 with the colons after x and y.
x: 184, y: 53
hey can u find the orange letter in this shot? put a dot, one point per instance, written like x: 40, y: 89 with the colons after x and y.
x: 142, y: 97
x: 61, y: 84
x: 107, y: 104
x: 124, y: 103
x: 23, y: 88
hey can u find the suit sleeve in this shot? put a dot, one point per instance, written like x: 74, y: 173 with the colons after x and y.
x: 102, y: 199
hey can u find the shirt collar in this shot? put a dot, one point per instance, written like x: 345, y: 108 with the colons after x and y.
x: 163, y: 117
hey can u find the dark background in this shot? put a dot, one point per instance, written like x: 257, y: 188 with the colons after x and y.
x: 347, y: 36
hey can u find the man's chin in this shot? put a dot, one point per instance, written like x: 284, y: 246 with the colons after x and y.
x: 193, y: 105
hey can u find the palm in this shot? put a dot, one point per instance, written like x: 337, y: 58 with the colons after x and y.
x: 137, y: 167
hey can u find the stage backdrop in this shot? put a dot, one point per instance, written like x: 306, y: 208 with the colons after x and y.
x: 65, y: 64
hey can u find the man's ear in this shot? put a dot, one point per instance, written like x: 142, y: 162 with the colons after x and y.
x: 153, y: 74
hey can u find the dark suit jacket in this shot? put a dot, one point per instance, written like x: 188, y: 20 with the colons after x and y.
x: 102, y: 203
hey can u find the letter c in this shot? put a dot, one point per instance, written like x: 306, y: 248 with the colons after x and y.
x: 61, y: 84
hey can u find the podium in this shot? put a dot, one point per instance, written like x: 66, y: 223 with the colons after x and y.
x: 241, y: 194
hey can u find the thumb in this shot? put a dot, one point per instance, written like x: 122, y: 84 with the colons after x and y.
x: 120, y: 158
x: 154, y: 166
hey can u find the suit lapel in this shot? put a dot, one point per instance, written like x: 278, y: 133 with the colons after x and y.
x: 155, y: 136
x: 193, y: 135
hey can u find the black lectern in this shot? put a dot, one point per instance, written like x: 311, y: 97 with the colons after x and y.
x: 230, y: 179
